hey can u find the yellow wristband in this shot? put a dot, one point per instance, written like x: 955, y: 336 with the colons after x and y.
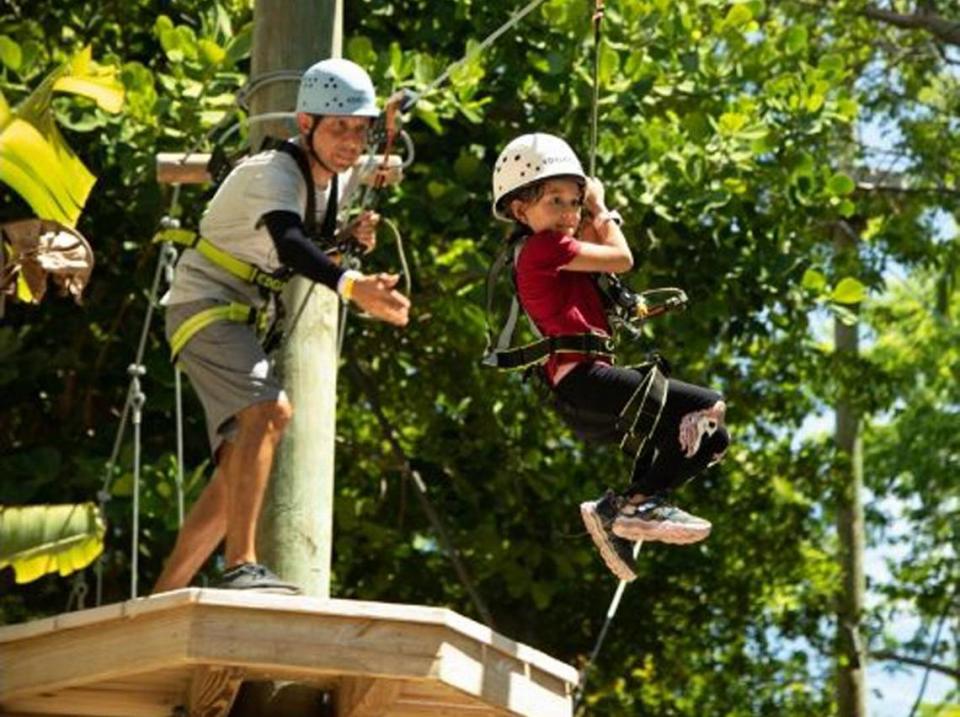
x: 345, y: 286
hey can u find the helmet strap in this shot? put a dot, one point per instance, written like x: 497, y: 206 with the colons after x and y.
x: 308, y: 138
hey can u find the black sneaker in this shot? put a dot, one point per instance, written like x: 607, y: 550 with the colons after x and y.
x: 655, y: 519
x: 598, y: 516
x: 252, y: 576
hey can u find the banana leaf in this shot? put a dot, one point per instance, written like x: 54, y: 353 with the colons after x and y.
x: 40, y: 539
x: 35, y: 161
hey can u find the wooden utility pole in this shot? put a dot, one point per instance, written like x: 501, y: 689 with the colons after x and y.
x: 295, y: 534
x: 851, y: 655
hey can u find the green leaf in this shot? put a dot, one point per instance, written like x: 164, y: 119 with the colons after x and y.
x: 795, y: 39
x: 10, y: 53
x: 42, y: 539
x: 840, y: 185
x: 814, y: 102
x: 732, y: 122
x: 210, y: 52
x: 609, y: 64
x: 813, y: 280
x: 360, y: 50
x: 239, y: 46
x: 738, y: 16
x: 848, y: 291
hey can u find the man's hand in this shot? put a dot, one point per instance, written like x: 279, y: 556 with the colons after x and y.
x: 364, y: 230
x: 376, y: 295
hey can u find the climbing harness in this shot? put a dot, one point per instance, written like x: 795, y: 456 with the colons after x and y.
x: 269, y: 283
x: 220, y: 165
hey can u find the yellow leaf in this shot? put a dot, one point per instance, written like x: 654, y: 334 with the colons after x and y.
x: 107, y: 92
x: 82, y: 76
x: 44, y: 172
x: 23, y: 291
x: 5, y: 115
x: 42, y: 539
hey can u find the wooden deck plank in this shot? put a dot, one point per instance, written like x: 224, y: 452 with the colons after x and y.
x: 366, y: 697
x: 213, y: 690
x: 140, y: 655
x: 92, y: 701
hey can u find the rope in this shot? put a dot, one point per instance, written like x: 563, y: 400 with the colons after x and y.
x: 611, y: 612
x: 597, y: 20
x: 594, y: 110
x: 133, y: 406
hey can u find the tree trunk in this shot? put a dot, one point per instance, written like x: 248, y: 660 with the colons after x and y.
x: 851, y: 657
x: 296, y: 529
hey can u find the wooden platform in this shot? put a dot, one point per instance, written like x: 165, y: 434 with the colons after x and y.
x: 187, y: 652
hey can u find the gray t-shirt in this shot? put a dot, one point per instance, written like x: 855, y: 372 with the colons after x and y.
x: 265, y: 182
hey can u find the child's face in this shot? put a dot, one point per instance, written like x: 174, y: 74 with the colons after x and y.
x: 557, y: 208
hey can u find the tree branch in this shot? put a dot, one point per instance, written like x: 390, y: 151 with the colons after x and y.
x: 891, y: 656
x: 941, y: 28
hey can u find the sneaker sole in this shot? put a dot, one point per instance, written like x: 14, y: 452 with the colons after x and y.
x: 257, y: 589
x: 661, y: 531
x: 598, y: 534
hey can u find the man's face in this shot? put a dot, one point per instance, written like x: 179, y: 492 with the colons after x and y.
x: 339, y: 141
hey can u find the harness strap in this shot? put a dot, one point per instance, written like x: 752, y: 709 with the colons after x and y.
x: 329, y: 228
x: 539, y: 351
x: 233, y: 311
x: 639, y: 418
x: 239, y: 268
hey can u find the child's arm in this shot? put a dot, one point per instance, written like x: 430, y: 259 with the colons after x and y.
x: 604, y: 248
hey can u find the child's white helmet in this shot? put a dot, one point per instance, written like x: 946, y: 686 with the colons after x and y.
x: 527, y: 159
x: 337, y: 87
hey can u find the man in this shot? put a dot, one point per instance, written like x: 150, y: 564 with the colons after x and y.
x: 259, y: 227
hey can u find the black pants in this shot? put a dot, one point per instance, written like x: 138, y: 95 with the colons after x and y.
x: 689, y: 436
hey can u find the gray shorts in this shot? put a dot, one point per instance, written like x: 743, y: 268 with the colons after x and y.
x: 227, y: 367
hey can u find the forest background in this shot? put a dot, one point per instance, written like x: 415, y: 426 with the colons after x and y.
x: 743, y: 142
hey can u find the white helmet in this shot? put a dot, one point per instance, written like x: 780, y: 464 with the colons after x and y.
x: 527, y: 159
x: 337, y: 87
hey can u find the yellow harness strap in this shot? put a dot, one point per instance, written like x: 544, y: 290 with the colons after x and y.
x: 229, y: 263
x: 202, y: 319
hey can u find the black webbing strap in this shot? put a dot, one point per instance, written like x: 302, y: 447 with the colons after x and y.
x: 329, y: 228
x: 539, y: 351
x: 639, y: 418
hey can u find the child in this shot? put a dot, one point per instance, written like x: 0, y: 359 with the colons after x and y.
x: 565, y: 236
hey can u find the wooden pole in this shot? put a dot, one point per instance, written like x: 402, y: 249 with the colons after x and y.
x: 851, y: 655
x: 295, y: 534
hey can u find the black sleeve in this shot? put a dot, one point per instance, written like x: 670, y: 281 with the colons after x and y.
x: 295, y: 250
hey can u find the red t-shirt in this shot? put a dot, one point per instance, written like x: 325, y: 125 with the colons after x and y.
x: 558, y: 302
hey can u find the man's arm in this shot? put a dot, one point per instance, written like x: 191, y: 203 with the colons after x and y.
x: 374, y: 294
x: 296, y: 251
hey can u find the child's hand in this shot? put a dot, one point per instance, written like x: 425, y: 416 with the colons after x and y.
x: 588, y: 232
x: 593, y: 196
